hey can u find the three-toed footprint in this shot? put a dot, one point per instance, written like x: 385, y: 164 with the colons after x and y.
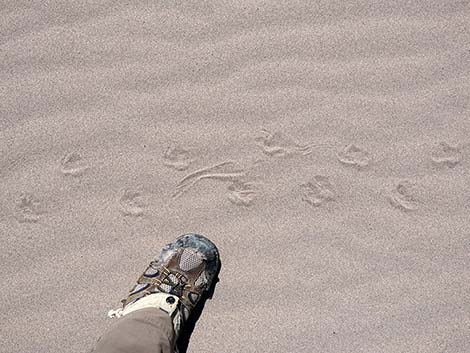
x: 403, y: 196
x: 354, y: 155
x: 242, y: 193
x: 177, y: 158
x: 277, y: 144
x: 132, y: 203
x: 28, y: 208
x: 73, y: 164
x: 317, y: 191
x: 447, y: 155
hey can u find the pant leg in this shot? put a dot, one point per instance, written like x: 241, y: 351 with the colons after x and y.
x: 147, y: 330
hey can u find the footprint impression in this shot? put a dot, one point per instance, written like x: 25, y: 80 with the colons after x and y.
x: 317, y: 191
x: 132, y: 203
x: 177, y: 158
x: 28, y: 208
x: 278, y: 145
x: 73, y: 164
x: 402, y: 196
x: 446, y: 155
x: 242, y: 193
x: 354, y: 156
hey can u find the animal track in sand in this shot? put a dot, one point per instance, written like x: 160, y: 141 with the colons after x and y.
x: 278, y: 145
x: 28, y: 208
x: 132, y: 203
x: 177, y: 158
x: 73, y: 164
x: 354, y: 156
x: 242, y: 193
x: 402, y: 196
x: 224, y: 171
x: 317, y: 191
x: 446, y: 155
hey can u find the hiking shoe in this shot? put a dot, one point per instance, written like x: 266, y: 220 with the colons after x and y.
x: 176, y: 280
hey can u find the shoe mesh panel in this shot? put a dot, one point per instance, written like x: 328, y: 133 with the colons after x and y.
x: 189, y: 260
x: 173, y: 278
x: 201, y: 280
x: 165, y: 287
x: 150, y: 272
x: 138, y: 288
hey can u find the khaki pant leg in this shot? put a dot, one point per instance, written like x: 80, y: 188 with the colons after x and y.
x: 147, y: 330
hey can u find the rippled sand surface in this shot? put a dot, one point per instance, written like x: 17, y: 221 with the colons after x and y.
x: 323, y: 145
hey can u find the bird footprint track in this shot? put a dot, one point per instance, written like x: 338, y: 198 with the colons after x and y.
x: 132, y: 203
x: 446, y: 155
x: 177, y: 158
x: 242, y: 193
x: 225, y: 171
x: 354, y: 156
x: 28, y: 208
x: 73, y: 164
x: 278, y: 145
x: 402, y: 196
x: 317, y: 191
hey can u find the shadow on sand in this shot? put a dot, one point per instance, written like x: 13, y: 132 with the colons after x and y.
x: 185, y: 335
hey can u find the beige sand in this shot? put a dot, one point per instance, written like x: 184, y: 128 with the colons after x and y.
x: 323, y: 145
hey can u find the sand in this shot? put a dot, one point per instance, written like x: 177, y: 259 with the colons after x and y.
x: 323, y: 145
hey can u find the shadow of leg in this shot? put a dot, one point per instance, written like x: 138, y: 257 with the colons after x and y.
x: 185, y: 335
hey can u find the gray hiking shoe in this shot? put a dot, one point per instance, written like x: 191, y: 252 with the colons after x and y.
x: 176, y: 280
